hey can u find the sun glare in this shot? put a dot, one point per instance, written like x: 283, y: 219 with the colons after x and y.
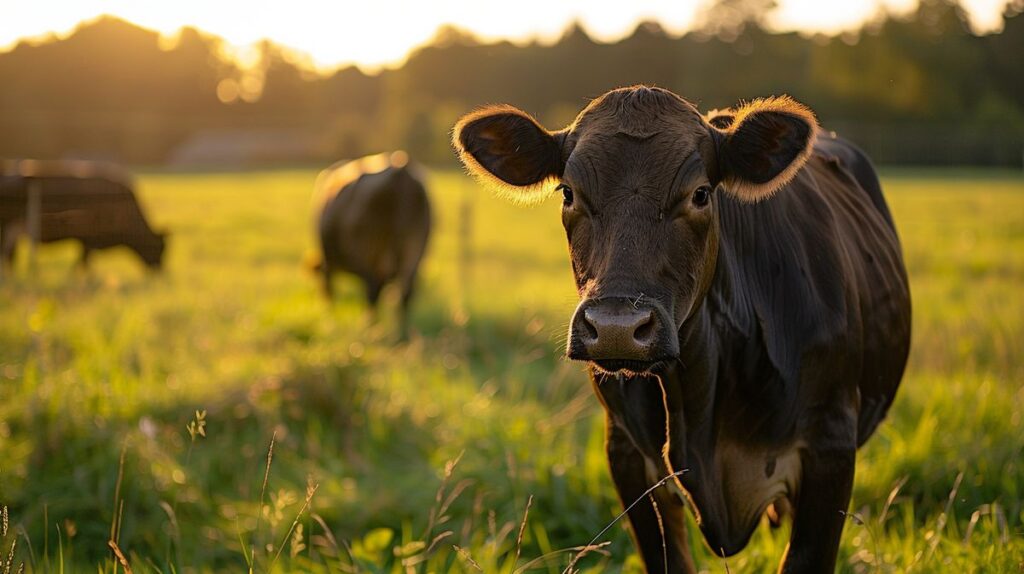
x: 381, y: 33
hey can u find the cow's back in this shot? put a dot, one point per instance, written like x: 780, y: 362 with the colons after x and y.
x: 856, y: 162
x: 91, y: 209
x: 376, y: 223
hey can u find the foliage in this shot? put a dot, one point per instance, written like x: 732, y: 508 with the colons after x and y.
x: 921, y: 89
x: 220, y: 416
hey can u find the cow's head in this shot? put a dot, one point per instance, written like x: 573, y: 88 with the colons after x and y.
x: 640, y: 172
x: 151, y: 249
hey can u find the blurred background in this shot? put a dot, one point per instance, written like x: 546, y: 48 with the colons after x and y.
x: 930, y: 83
x: 221, y: 416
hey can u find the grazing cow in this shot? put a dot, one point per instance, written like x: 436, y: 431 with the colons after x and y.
x: 374, y: 223
x: 744, y: 314
x: 87, y: 201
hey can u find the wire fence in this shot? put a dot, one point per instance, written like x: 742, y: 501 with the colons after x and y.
x: 153, y: 139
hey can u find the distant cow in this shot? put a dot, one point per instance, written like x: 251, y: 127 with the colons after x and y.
x: 90, y: 202
x: 744, y: 314
x: 374, y: 223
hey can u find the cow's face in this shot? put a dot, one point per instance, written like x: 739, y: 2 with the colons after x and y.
x: 152, y: 250
x: 639, y: 172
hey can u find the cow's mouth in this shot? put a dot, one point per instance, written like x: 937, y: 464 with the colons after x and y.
x: 626, y: 366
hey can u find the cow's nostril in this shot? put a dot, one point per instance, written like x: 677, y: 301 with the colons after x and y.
x: 645, y: 331
x: 589, y: 326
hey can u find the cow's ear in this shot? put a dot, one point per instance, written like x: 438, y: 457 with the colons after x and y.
x: 720, y: 119
x: 763, y: 146
x: 509, y: 152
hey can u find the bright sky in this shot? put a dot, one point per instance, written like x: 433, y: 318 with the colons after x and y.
x: 373, y: 33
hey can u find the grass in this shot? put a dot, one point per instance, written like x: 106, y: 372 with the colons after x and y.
x: 106, y: 378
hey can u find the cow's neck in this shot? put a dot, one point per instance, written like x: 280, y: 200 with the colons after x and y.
x: 713, y: 345
x: 691, y: 388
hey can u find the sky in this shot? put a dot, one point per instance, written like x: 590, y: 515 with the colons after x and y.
x: 375, y: 33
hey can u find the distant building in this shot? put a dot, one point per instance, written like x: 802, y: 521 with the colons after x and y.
x: 238, y: 148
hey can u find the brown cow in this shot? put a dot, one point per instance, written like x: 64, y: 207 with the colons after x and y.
x: 745, y: 313
x: 90, y: 202
x: 374, y: 223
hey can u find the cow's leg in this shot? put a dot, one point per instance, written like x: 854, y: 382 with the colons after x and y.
x: 408, y: 261
x: 373, y: 290
x: 8, y: 247
x: 83, y: 260
x: 659, y: 532
x: 325, y: 277
x: 408, y: 286
x: 825, y: 487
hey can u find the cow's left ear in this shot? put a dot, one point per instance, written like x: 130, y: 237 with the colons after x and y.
x: 764, y: 146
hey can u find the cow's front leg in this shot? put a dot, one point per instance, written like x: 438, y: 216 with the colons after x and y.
x: 824, y: 496
x: 659, y: 532
x: 9, y: 233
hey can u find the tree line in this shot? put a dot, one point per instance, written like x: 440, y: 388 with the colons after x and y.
x: 919, y: 89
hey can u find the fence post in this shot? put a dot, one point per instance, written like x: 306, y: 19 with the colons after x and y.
x: 33, y: 216
x: 464, y: 248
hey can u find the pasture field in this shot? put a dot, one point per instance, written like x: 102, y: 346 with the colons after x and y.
x: 424, y: 456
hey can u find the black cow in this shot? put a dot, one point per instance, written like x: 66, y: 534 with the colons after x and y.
x: 374, y: 223
x: 93, y: 203
x: 744, y: 314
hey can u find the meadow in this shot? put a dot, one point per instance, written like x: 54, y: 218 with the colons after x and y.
x: 220, y: 416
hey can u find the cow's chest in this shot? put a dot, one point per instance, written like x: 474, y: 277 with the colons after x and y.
x: 728, y: 486
x: 731, y: 496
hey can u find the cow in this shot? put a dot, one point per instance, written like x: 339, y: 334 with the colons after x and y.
x: 91, y: 202
x: 374, y: 222
x: 744, y: 312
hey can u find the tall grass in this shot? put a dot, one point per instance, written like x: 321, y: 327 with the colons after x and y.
x: 365, y: 430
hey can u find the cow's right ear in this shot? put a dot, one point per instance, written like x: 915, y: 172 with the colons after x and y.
x: 509, y: 152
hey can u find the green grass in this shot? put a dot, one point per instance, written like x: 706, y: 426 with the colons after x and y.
x: 117, y: 361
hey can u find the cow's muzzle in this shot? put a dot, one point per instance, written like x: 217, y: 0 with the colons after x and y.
x: 622, y: 334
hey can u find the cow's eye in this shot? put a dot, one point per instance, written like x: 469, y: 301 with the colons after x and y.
x: 701, y: 196
x: 567, y: 196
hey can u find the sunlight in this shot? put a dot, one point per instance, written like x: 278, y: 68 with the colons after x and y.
x: 376, y: 34
x: 833, y: 17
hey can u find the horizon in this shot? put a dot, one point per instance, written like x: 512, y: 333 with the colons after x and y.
x: 314, y: 41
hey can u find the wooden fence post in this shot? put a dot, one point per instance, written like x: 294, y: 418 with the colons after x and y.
x: 33, y: 215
